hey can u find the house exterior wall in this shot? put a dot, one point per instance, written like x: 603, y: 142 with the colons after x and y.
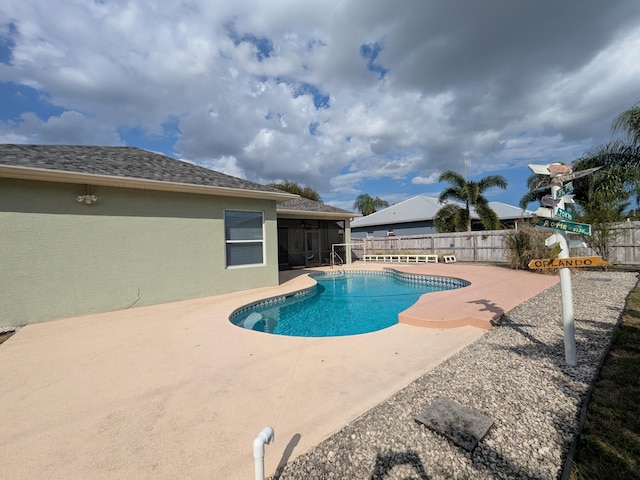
x: 62, y: 258
x: 410, y: 228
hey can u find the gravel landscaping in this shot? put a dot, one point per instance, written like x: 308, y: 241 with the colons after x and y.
x: 515, y: 374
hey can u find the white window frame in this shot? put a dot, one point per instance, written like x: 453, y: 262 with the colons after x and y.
x: 230, y: 242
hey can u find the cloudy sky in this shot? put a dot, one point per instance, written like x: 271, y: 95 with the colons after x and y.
x: 348, y: 97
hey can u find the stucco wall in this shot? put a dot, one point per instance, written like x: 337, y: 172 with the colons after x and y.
x: 61, y: 258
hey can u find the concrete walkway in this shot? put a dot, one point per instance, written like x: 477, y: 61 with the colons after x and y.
x: 176, y: 391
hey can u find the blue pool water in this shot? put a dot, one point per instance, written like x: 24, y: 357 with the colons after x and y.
x: 342, y: 304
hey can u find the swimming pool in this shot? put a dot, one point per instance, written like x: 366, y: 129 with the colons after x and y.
x: 342, y: 303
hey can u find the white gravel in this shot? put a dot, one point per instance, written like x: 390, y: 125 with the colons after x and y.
x: 516, y: 374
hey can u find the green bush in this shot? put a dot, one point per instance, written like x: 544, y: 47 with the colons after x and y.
x: 525, y: 244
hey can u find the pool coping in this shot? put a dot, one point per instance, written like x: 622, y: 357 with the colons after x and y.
x: 452, y: 283
x: 493, y: 290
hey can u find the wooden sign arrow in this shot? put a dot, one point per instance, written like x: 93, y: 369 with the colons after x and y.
x: 565, y: 178
x: 568, y: 262
x: 550, y: 168
x: 549, y: 201
x: 559, y: 168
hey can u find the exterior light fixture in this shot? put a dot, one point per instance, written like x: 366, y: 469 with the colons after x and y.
x: 87, y: 199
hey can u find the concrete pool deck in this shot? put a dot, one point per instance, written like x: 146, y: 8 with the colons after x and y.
x: 176, y: 391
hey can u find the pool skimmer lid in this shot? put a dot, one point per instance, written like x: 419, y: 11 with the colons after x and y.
x: 462, y: 425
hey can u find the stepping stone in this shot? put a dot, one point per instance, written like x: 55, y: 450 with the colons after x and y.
x: 463, y: 426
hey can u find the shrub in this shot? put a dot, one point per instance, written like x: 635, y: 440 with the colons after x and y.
x: 525, y: 244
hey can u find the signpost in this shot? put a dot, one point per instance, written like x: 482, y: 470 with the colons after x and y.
x: 554, y: 217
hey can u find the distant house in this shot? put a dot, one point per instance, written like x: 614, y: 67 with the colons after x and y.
x: 89, y: 229
x: 414, y: 216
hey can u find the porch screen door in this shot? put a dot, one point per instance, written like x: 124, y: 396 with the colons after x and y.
x: 312, y: 248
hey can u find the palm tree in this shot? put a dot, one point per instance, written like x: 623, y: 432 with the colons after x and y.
x: 367, y: 205
x: 534, y: 194
x: 450, y: 218
x: 617, y: 180
x: 629, y: 122
x: 470, y: 193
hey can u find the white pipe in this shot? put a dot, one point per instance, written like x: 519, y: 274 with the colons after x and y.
x: 266, y: 436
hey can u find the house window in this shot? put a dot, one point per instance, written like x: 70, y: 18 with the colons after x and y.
x: 244, y: 237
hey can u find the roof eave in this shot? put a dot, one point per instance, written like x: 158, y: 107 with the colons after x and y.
x: 46, y: 175
x: 314, y: 214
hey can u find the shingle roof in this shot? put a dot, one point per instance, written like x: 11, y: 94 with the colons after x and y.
x: 422, y: 207
x: 305, y: 205
x: 121, y: 162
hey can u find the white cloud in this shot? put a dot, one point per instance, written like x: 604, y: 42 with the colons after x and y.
x: 73, y: 127
x: 236, y: 82
x: 430, y: 180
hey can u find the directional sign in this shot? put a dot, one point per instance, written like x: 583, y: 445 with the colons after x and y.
x: 550, y: 168
x: 544, y: 212
x: 555, y: 238
x: 549, y: 201
x: 568, y: 262
x: 539, y: 169
x: 564, y: 190
x: 552, y: 240
x: 559, y: 168
x: 560, y: 212
x: 571, y: 227
x: 565, y: 178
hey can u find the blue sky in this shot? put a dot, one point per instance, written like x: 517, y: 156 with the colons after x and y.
x: 366, y: 96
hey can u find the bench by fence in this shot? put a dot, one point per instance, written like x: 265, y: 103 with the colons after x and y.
x: 398, y: 258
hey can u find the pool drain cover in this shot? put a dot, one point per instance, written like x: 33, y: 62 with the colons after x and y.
x: 463, y: 426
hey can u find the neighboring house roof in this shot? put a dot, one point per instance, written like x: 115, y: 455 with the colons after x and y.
x: 311, y: 208
x: 414, y: 209
x: 423, y: 208
x: 509, y: 212
x: 124, y: 167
